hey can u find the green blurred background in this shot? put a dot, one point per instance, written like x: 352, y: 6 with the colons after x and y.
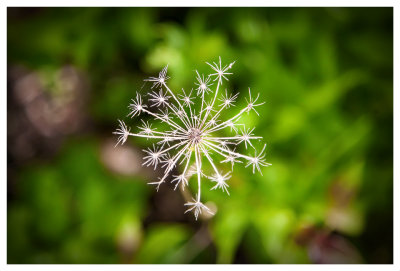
x: 326, y: 75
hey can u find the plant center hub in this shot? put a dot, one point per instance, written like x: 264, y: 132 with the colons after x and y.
x: 195, y: 135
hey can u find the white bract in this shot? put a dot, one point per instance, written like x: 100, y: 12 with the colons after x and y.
x: 190, y: 139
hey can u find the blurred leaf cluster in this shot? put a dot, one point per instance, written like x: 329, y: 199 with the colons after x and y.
x: 326, y: 75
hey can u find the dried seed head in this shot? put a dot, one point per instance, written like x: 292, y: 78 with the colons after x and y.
x: 192, y: 136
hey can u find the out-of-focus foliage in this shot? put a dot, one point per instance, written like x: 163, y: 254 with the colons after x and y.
x: 325, y: 74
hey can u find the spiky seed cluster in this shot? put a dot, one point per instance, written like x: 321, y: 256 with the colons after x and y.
x: 191, y: 135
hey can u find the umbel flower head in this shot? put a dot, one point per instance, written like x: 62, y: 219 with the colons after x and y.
x: 191, y: 138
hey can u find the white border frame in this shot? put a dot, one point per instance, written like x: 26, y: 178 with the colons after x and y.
x: 281, y: 3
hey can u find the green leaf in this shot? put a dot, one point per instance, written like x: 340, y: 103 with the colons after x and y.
x: 160, y: 242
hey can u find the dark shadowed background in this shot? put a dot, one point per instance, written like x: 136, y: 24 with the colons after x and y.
x: 326, y: 75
